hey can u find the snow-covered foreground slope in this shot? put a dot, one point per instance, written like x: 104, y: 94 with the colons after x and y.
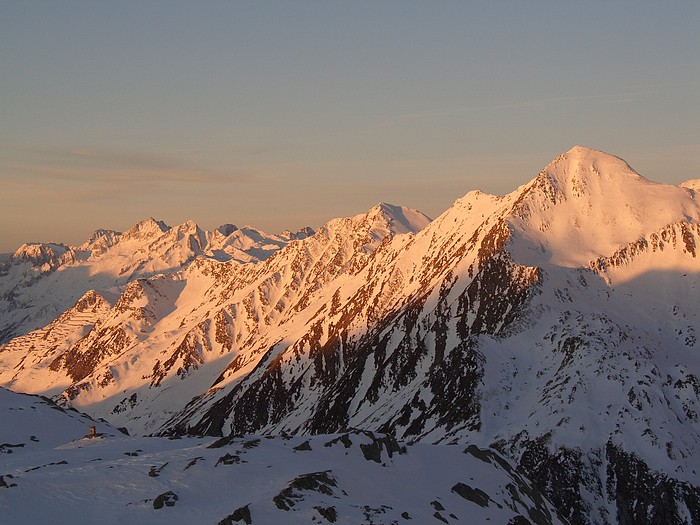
x: 50, y: 473
x: 557, y: 324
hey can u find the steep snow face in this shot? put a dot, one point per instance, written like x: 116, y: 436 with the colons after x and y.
x: 25, y: 359
x: 398, y: 219
x: 586, y: 204
x: 375, y: 335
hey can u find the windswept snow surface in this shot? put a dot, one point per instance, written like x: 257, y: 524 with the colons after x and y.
x: 50, y: 473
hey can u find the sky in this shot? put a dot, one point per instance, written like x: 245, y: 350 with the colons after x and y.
x: 282, y: 114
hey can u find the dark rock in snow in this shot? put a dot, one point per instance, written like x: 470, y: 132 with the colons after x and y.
x: 304, y: 446
x: 154, y: 472
x: 238, y: 515
x: 440, y: 517
x: 321, y: 482
x: 193, y: 462
x: 222, y: 442
x: 644, y: 496
x: 5, y: 484
x: 6, y: 448
x: 373, y: 451
x: 251, y: 443
x: 476, y: 495
x: 329, y: 513
x: 437, y: 505
x: 166, y: 499
x: 228, y: 459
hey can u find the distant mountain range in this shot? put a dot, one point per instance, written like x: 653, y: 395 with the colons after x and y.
x: 42, y: 280
x: 555, y: 326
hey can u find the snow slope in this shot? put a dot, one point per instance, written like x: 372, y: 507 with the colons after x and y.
x: 50, y: 473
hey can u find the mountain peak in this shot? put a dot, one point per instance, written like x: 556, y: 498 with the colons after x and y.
x: 100, y: 241
x: 302, y: 233
x: 48, y: 255
x: 147, y: 228
x: 587, y: 203
x: 100, y: 233
x: 399, y: 218
x: 226, y: 229
x: 693, y: 185
x: 585, y: 151
x: 582, y: 163
x: 189, y: 225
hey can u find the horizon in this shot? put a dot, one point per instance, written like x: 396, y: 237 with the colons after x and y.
x: 281, y: 116
x: 315, y: 228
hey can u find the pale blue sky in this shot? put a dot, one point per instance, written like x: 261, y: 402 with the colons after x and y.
x: 285, y: 114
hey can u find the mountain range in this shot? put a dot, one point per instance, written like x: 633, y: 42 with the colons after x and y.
x: 555, y: 326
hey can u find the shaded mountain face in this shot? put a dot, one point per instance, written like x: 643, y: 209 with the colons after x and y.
x: 48, y: 471
x: 557, y: 324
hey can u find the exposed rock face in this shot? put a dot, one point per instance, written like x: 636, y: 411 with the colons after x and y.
x: 643, y: 496
x: 556, y: 324
x: 166, y: 499
x: 45, y: 257
x: 241, y: 514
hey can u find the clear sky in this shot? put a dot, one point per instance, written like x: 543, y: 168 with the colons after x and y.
x: 281, y: 114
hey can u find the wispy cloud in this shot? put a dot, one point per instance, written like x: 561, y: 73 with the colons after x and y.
x: 32, y: 190
x: 111, y: 166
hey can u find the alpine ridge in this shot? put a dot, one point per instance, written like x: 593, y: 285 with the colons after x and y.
x: 556, y: 325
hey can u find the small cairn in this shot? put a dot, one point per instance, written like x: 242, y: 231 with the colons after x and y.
x: 93, y: 434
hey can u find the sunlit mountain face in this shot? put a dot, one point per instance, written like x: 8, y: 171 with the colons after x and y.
x: 553, y: 329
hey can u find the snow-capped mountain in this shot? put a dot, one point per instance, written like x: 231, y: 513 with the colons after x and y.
x: 557, y: 324
x: 163, y: 328
x: 42, y: 280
